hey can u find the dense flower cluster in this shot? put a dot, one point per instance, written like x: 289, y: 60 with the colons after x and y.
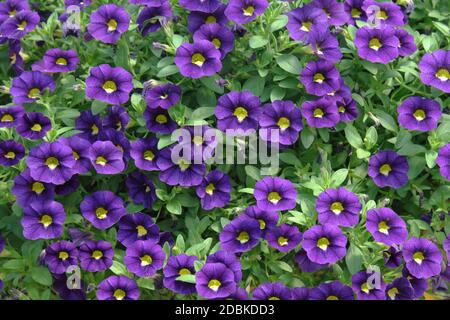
x: 89, y: 181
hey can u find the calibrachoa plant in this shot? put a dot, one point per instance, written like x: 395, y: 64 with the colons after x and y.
x: 93, y: 205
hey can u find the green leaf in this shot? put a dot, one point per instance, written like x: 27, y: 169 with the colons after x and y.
x: 386, y: 120
x: 168, y: 71
x: 277, y: 94
x: 353, y: 136
x: 289, y: 63
x: 258, y: 42
x: 255, y: 85
x: 279, y: 23
x: 41, y: 275
x: 307, y: 137
x: 354, y: 259
x: 284, y: 266
x: 189, y: 278
x: 339, y: 177
x: 253, y: 172
x: 174, y: 206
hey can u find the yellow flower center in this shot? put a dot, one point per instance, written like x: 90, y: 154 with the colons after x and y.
x: 22, y: 25
x: 61, y: 61
x: 119, y: 294
x: 210, y: 189
x: 318, y: 113
x: 383, y: 227
x: 262, y: 224
x: 198, y: 59
x: 10, y: 155
x: 7, y: 118
x: 112, y: 25
x: 337, y: 207
x: 101, y: 213
x: 34, y: 93
x: 282, y: 241
x: 101, y: 161
x: 149, y: 155
x: 75, y: 155
x: 37, y: 187
x: 52, y: 163
x: 283, y: 123
x: 240, y: 113
x: 318, y: 77
x: 341, y: 109
x: 419, y: 114
x: 443, y: 74
x: 109, y: 86
x: 183, y: 164
x: 382, y: 15
x: 63, y: 255
x: 306, y: 26
x: 356, y: 13
x: 273, y: 298
x: 36, y: 127
x: 392, y: 293
x: 161, y: 119
x: 365, y: 287
x: 332, y: 298
x: 12, y: 13
x: 214, y: 284
x: 249, y: 11
x: 243, y: 237
x: 184, y: 272
x: 217, y: 43
x: 375, y: 44
x: 46, y: 220
x: 418, y: 257
x: 141, y: 231
x: 146, y: 260
x: 385, y: 169
x: 211, y: 19
x: 94, y: 129
x: 97, y: 254
x: 323, y: 243
x: 274, y: 197
x: 198, y: 140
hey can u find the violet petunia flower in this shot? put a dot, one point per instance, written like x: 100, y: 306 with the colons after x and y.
x: 61, y: 255
x: 200, y: 5
x: 215, y: 281
x: 9, y: 8
x: 386, y: 226
x: 116, y: 118
x: 339, y: 207
x: 305, y: 264
x: 334, y: 11
x: 68, y: 187
x: 176, y: 266
x: 148, y: 3
x: 106, y: 158
x: 369, y: 285
x: 284, y: 238
x: 196, y: 18
x: 407, y: 45
x: 383, y: 13
x: 324, y: 244
x: 347, y: 107
x: 443, y: 161
x: 108, y: 23
x: 137, y: 227
x: 303, y: 19
x: 214, y: 191
x: 158, y: 120
x: 300, y: 293
x: 377, y: 45
x: 151, y: 19
x: 324, y: 44
x: 198, y: 60
x: 220, y: 36
x: 79, y: 3
x: 388, y: 169
x: 11, y: 152
x: 43, y: 220
x: 33, y: 125
x: 141, y: 189
x: 118, y: 288
x: 419, y: 285
x: 334, y: 290
x: 103, y: 209
x: 400, y: 289
x: 355, y: 11
x: 240, y: 235
x: 27, y: 190
x: 229, y: 260
x: 57, y: 60
x: 118, y: 139
x: 275, y: 194
x: 27, y: 87
x: 435, y: 70
x: 245, y: 11
x: 144, y: 258
x: 423, y: 258
x: 393, y: 257
x: 266, y: 218
x: 320, y: 78
x: 10, y: 116
x: 272, y: 291
x: 96, y: 256
x: 80, y: 150
x: 418, y: 113
x: 321, y: 113
x: 145, y: 153
x: 89, y: 124
x: 165, y: 96
x: 19, y: 25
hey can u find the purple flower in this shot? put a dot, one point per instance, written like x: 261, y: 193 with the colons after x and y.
x: 148, y: 3
x: 324, y: 44
x: 400, y: 289
x: 51, y: 163
x: 28, y: 190
x: 339, y: 207
x: 108, y: 23
x: 10, y: 8
x: 183, y: 172
x: 109, y: 84
x: 118, y: 139
x: 106, y: 158
x: 443, y: 161
x: 17, y: 26
x: 196, y: 18
x: 407, y: 46
x: 320, y: 78
x: 164, y: 96
x: 220, y: 36
x: 152, y: 18
x: 141, y: 189
x: 419, y: 285
x: 145, y: 153
x: 43, y: 220
x: 96, y: 255
x: 103, y: 209
x: 321, y: 113
x: 27, y: 87
x: 423, y: 258
x: 355, y: 11
x: 80, y: 150
x: 158, y: 120
x: 117, y: 118
x: 215, y: 281
x: 68, y: 290
x: 80, y: 3
x: 57, y: 60
x: 384, y: 13
x: 393, y: 257
x: 214, y: 191
x: 435, y: 70
x: 89, y: 124
x: 144, y: 258
x: 10, y: 116
x: 137, y: 227
x: 11, y: 152
x: 377, y: 45
x: 238, y: 110
x: 245, y: 11
x: 302, y: 20
x: 272, y: 291
x: 68, y: 187
x: 266, y: 219
x: 418, y: 113
x: 388, y: 169
x: 305, y: 264
x: 200, y: 5
x: 198, y: 60
x: 275, y: 194
x: 229, y: 260
x: 367, y: 288
x: 324, y: 244
x: 334, y: 11
x: 386, y: 226
x: 176, y: 266
x: 334, y: 290
x: 283, y: 238
x: 61, y: 255
x: 33, y: 125
x: 284, y: 117
x: 300, y: 293
x: 118, y: 288
x: 347, y: 107
x: 240, y: 235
